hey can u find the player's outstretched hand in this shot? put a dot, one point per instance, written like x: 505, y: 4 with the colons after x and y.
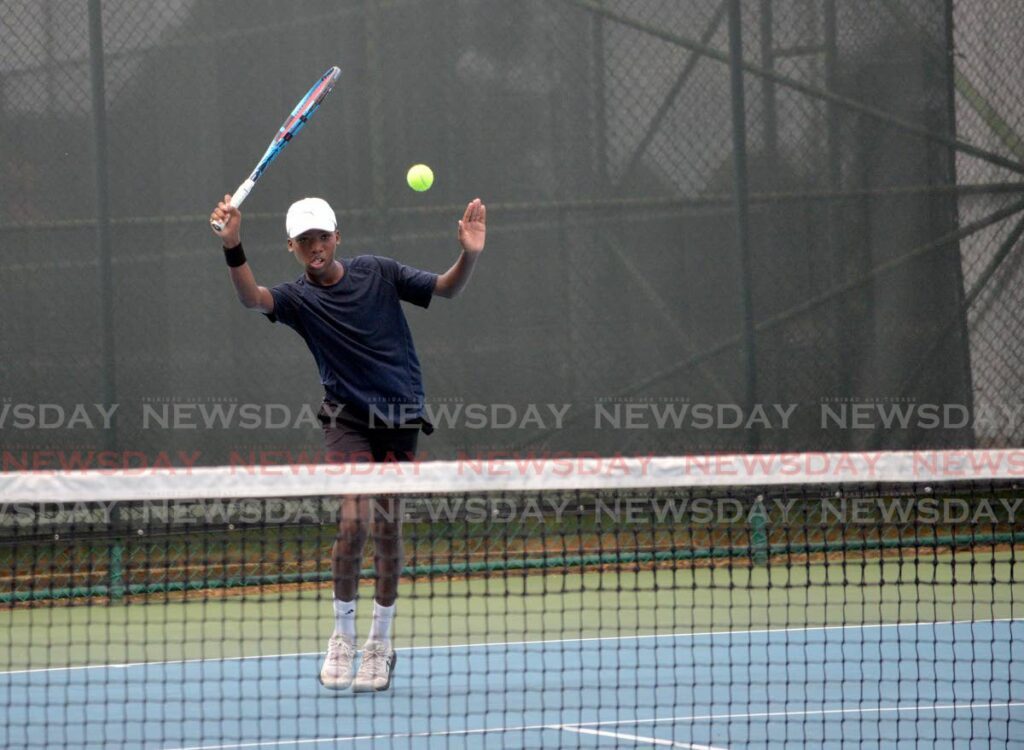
x: 230, y: 218
x: 473, y: 227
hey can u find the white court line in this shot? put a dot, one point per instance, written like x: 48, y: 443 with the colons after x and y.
x: 637, y: 738
x: 516, y: 644
x: 805, y: 712
x: 364, y: 737
x: 589, y: 724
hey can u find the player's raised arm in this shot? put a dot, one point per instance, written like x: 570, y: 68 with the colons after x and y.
x: 250, y: 294
x: 472, y: 234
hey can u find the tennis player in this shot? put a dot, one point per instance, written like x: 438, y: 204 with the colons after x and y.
x: 349, y: 313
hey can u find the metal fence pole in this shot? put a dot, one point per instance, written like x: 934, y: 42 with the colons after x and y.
x: 106, y: 282
x: 771, y: 120
x: 741, y: 193
x: 846, y: 341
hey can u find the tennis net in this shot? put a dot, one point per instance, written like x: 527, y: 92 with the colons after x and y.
x: 706, y: 601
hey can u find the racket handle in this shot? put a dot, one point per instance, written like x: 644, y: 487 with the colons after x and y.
x: 236, y: 200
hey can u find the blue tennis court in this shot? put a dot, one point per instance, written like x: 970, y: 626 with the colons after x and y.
x: 930, y: 683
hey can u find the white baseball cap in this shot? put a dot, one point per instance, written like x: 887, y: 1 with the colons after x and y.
x: 310, y: 213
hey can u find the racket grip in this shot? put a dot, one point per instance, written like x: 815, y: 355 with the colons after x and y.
x: 236, y: 200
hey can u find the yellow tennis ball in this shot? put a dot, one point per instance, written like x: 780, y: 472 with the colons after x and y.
x: 420, y: 177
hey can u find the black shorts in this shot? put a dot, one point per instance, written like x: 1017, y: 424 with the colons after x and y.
x: 350, y: 439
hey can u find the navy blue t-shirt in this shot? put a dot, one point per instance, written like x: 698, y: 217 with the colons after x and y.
x: 359, y: 336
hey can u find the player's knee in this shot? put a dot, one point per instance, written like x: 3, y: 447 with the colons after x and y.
x: 352, y: 533
x: 386, y: 531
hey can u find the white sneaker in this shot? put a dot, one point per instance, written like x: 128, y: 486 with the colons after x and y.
x: 376, y: 669
x: 339, y: 664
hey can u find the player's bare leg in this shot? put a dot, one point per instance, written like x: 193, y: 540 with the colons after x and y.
x: 379, y: 657
x: 338, y: 669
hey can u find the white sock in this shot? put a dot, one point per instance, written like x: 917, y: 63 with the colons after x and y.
x: 345, y: 619
x: 380, y: 630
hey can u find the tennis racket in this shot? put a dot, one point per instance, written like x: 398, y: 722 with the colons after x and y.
x: 300, y: 116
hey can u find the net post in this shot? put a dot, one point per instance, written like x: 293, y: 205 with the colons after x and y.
x: 115, y: 558
x: 758, y: 532
x: 116, y: 583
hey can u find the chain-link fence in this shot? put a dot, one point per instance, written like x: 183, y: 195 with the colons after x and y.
x: 713, y: 224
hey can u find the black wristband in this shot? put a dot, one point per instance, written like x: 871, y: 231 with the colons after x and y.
x: 235, y: 256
